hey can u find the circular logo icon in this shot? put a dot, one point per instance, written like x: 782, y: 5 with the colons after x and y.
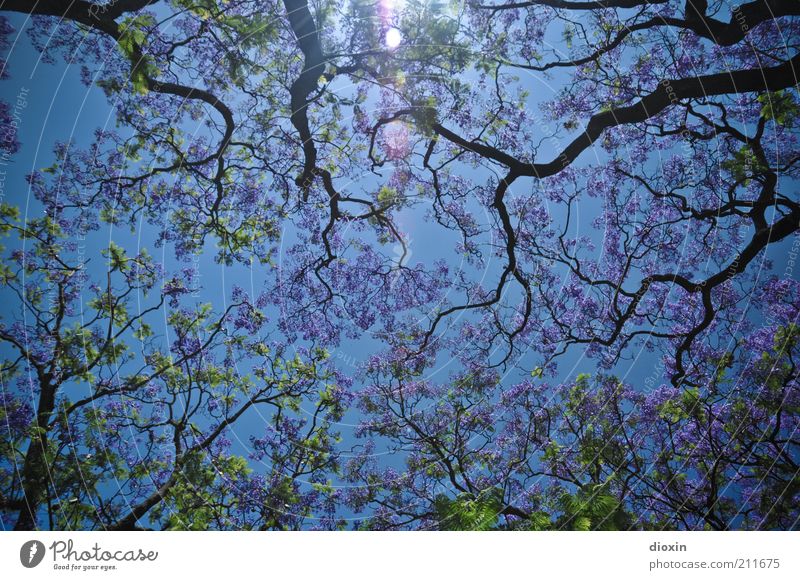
x: 31, y: 553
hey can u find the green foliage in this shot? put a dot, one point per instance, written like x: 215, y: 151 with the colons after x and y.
x: 426, y: 115
x: 744, y: 164
x: 134, y: 35
x: 591, y: 508
x: 388, y: 197
x: 469, y: 513
x: 539, y: 521
x: 779, y: 106
x: 196, y: 501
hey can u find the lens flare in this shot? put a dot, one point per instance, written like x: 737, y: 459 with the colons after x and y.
x: 393, y: 38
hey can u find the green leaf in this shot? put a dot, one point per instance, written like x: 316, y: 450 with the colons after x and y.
x: 779, y: 106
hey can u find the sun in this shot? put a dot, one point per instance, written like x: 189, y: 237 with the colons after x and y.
x: 393, y: 38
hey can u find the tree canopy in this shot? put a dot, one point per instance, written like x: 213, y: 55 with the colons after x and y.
x: 485, y: 265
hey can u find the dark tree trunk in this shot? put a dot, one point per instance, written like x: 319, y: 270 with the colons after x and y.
x: 35, y: 471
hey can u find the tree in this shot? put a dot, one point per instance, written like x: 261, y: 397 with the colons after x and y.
x: 114, y: 410
x: 605, y: 179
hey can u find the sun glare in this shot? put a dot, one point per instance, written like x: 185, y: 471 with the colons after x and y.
x: 393, y: 38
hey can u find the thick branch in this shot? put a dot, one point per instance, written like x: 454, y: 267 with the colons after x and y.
x: 564, y: 5
x: 668, y: 93
x: 305, y: 29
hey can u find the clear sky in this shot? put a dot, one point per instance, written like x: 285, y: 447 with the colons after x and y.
x: 60, y: 108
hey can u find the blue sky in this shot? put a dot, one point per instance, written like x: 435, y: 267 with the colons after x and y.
x: 60, y: 108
